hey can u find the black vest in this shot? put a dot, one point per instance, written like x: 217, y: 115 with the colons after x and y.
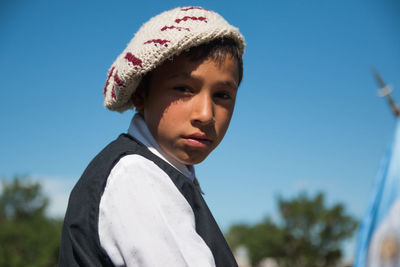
x: 80, y: 243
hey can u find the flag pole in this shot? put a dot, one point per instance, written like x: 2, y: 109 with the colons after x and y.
x: 385, y: 91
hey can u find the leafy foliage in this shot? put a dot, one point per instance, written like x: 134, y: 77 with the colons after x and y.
x: 27, y: 236
x: 309, y: 233
x: 262, y: 240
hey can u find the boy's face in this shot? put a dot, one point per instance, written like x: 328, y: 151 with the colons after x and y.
x: 189, y: 105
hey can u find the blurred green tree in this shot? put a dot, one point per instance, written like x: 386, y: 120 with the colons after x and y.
x: 27, y: 236
x: 308, y: 234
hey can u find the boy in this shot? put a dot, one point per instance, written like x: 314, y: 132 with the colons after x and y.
x: 138, y: 203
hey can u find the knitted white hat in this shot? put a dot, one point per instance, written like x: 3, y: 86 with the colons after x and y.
x: 162, y: 37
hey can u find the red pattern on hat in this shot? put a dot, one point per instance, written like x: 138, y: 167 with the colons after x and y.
x: 185, y: 18
x: 108, y: 80
x: 118, y: 80
x: 113, y: 92
x: 158, y: 41
x: 174, y: 27
x: 193, y: 7
x: 134, y: 60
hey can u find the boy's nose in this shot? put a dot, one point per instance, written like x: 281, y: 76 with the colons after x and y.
x: 203, y: 109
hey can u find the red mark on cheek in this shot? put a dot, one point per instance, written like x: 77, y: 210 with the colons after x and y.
x: 174, y: 27
x: 108, y: 80
x: 158, y: 41
x: 191, y: 18
x: 134, y: 60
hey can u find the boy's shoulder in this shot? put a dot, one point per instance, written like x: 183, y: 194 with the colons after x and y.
x: 81, y: 218
x: 95, y: 175
x: 80, y: 227
x: 90, y: 187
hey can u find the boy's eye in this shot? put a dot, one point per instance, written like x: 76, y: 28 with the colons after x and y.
x: 183, y: 89
x: 223, y: 95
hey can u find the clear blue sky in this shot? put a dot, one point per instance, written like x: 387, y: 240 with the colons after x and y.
x: 307, y: 115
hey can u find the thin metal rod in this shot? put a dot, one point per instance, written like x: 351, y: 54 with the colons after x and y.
x: 385, y: 91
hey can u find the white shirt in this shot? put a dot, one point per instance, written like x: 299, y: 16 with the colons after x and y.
x: 143, y: 218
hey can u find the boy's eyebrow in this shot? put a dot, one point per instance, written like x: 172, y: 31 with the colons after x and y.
x: 180, y: 75
x: 232, y: 84
x: 188, y: 75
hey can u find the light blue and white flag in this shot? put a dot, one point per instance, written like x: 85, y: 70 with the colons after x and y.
x: 379, y: 234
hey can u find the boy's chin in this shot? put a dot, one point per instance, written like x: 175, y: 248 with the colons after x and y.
x: 190, y: 159
x: 187, y: 155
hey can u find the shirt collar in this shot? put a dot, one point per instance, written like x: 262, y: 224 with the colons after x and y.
x: 139, y: 130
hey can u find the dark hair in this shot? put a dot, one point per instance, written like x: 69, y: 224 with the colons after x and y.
x: 217, y: 50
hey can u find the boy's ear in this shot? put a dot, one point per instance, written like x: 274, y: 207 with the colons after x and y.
x: 138, y: 97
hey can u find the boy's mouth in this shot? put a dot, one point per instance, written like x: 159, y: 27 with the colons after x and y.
x: 197, y: 140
